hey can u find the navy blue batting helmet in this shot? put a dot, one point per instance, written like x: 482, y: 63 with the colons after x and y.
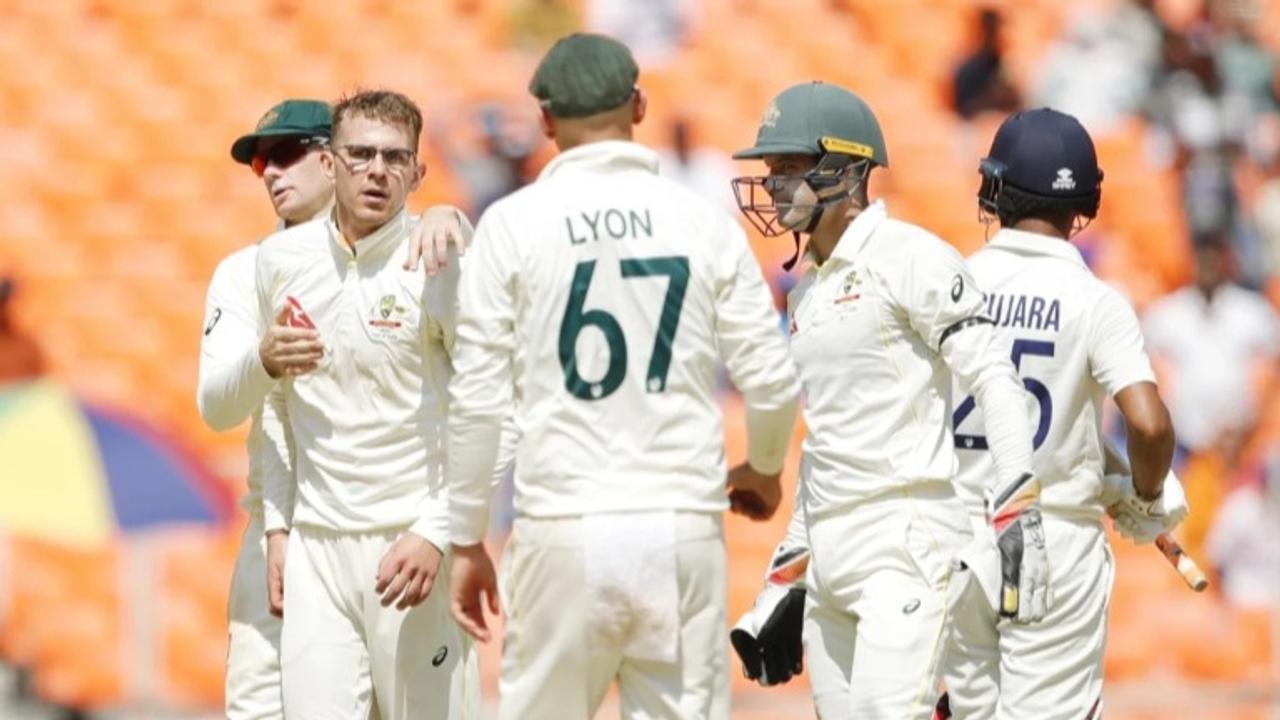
x: 1040, y: 160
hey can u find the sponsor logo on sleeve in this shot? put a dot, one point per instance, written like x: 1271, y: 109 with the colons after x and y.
x: 214, y: 317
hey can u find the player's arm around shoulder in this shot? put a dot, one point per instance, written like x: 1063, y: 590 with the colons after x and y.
x: 231, y: 383
x: 439, y: 298
x: 439, y: 230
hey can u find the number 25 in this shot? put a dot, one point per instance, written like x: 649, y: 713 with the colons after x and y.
x: 1037, y: 389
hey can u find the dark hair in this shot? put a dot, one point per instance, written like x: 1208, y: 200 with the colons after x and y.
x: 385, y: 105
x: 1021, y: 205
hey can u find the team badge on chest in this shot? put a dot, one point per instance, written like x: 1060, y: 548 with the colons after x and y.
x: 850, y: 288
x: 385, y: 317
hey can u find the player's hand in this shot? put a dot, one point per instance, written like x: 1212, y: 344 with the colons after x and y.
x: 277, y: 547
x: 286, y: 349
x: 768, y: 638
x: 438, y: 228
x: 1142, y: 520
x: 473, y: 584
x: 1024, y: 562
x: 754, y: 494
x: 408, y: 571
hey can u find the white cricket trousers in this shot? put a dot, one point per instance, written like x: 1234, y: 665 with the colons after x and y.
x: 253, y: 653
x: 554, y: 667
x: 1051, y: 670
x: 341, y: 648
x: 876, y: 621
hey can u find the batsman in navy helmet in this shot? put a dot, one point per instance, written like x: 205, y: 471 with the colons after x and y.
x: 1043, y: 165
x: 1075, y: 341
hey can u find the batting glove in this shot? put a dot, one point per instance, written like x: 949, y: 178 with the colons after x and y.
x: 1142, y: 520
x: 1024, y: 563
x: 769, y: 637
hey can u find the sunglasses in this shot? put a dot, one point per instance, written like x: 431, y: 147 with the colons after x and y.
x: 285, y: 153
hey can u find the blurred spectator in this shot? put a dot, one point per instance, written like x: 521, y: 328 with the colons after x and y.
x: 1266, y: 208
x: 1247, y: 69
x: 1102, y: 70
x: 489, y: 154
x: 653, y: 29
x: 20, y: 357
x: 1211, y: 336
x: 980, y: 83
x: 1200, y: 129
x: 705, y: 170
x: 536, y: 24
x: 1244, y: 541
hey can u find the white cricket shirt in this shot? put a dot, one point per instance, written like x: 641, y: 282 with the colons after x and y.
x: 1074, y: 340
x: 369, y: 424
x: 874, y: 331
x: 601, y: 300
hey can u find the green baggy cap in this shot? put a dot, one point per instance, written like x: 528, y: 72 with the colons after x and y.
x: 301, y: 118
x: 584, y: 74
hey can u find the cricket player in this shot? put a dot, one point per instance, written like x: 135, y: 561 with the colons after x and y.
x: 237, y: 371
x: 599, y: 303
x: 365, y: 551
x: 1075, y: 341
x: 885, y: 314
x: 284, y: 150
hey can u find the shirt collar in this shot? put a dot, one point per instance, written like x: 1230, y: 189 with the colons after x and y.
x: 606, y: 154
x: 859, y: 231
x: 1025, y: 243
x: 383, y: 237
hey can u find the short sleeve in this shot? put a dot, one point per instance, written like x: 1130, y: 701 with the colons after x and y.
x: 1117, y: 356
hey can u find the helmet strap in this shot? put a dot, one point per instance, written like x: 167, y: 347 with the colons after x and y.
x: 795, y: 256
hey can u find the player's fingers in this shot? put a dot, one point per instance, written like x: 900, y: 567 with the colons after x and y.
x: 295, y: 357
x: 437, y: 256
x: 397, y: 586
x: 388, y: 567
x: 415, y: 250
x: 296, y: 360
x: 424, y: 590
x: 283, y: 334
x: 491, y: 594
x: 283, y: 315
x: 310, y: 344
x: 449, y: 236
x: 467, y: 612
x: 412, y: 594
x: 747, y: 503
x: 275, y: 596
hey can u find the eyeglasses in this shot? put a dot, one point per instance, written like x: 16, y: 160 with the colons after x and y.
x: 285, y: 153
x: 360, y: 157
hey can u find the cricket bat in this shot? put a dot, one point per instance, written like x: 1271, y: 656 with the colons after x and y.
x: 1182, y: 562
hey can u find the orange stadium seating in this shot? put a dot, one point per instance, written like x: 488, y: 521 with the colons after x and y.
x: 120, y: 198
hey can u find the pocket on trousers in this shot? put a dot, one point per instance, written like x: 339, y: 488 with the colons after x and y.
x: 931, y: 547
